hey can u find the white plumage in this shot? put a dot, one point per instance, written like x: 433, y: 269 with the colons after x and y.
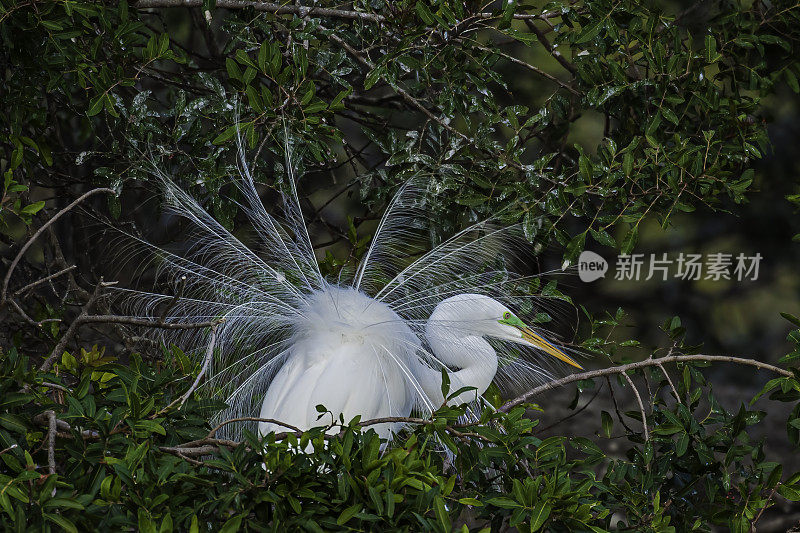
x: 375, y: 346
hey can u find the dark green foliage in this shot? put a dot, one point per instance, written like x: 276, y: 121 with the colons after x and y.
x: 118, y: 464
x: 488, y: 105
x: 95, y: 86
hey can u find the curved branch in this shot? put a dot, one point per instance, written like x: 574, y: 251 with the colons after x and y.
x: 302, y: 11
x: 252, y: 419
x: 641, y: 405
x: 634, y: 366
x: 44, y: 226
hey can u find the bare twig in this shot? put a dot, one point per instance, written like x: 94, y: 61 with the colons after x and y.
x: 63, y: 428
x: 206, y: 362
x: 269, y: 7
x: 4, y: 293
x: 764, y: 508
x: 62, y: 343
x: 572, y: 414
x: 143, y: 322
x: 251, y: 419
x: 38, y: 282
x: 633, y: 366
x: 530, y: 67
x: 671, y: 385
x: 549, y: 47
x: 402, y: 92
x: 302, y: 11
x: 53, y: 386
x: 4, y: 450
x: 641, y: 405
x: 27, y: 318
x: 51, y: 441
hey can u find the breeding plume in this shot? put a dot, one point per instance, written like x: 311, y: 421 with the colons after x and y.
x: 373, y: 343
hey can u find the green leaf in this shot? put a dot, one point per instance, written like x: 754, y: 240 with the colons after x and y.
x: 574, y: 248
x: 503, y: 503
x: 442, y: 516
x: 226, y: 135
x: 424, y: 13
x: 64, y: 523
x: 372, y: 77
x: 589, y: 32
x: 539, y: 515
x: 13, y: 423
x: 232, y: 525
x: 146, y: 525
x: 791, y: 493
x: 603, y: 237
x: 607, y: 423
x: 670, y: 115
x: 96, y: 105
x: 791, y: 318
x: 711, y: 49
x: 630, y: 240
x: 33, y: 208
x: 348, y: 513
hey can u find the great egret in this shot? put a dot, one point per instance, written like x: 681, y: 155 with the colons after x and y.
x: 356, y: 356
x: 374, y: 346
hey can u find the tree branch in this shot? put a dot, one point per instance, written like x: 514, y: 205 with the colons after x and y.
x: 206, y: 362
x: 62, y: 343
x: 143, y: 322
x: 302, y: 11
x: 634, y: 366
x: 641, y: 405
x: 549, y: 47
x: 269, y: 7
x: 51, y: 441
x: 44, y: 226
x: 38, y: 282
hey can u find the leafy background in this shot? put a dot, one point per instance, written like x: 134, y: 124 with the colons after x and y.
x: 615, y: 126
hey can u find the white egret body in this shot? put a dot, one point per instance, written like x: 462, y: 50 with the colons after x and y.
x: 375, y: 346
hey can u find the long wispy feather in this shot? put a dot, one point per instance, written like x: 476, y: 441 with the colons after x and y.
x: 270, y: 301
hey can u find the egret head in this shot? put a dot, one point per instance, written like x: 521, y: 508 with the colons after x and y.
x: 516, y: 330
x: 471, y: 314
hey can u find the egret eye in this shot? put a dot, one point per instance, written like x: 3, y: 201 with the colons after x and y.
x: 506, y: 315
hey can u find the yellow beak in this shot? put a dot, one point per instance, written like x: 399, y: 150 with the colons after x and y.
x: 530, y: 336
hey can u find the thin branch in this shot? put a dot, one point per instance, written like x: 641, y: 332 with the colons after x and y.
x: 402, y: 92
x: 549, y: 47
x: 671, y: 385
x: 132, y: 321
x: 303, y: 12
x: 203, y: 369
x: 53, y: 386
x: 44, y: 226
x: 634, y: 366
x: 641, y: 405
x: 530, y: 67
x: 38, y: 282
x: 572, y: 414
x: 269, y: 7
x: 174, y: 301
x: 4, y: 450
x: 616, y: 406
x: 51, y: 441
x: 186, y: 453
x: 252, y: 419
x: 27, y: 318
x: 62, y: 343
